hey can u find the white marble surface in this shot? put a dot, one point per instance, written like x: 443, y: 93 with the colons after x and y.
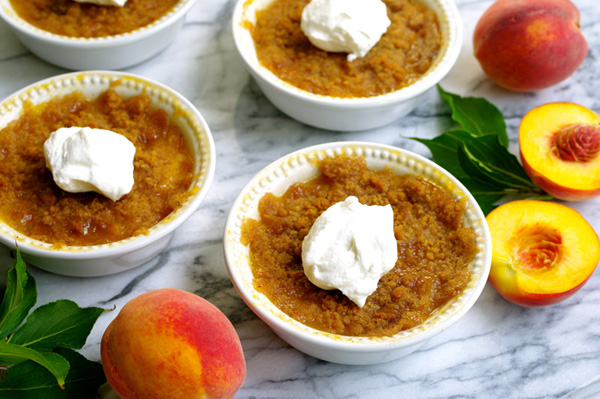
x: 498, y: 350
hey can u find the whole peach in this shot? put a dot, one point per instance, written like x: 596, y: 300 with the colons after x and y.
x: 526, y: 45
x: 171, y: 344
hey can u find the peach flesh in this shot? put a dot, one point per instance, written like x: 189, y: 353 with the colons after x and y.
x: 537, y: 247
x: 529, y: 45
x: 542, y: 252
x: 560, y: 150
x: 171, y: 344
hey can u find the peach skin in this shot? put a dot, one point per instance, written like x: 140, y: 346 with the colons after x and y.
x: 171, y: 344
x: 525, y: 45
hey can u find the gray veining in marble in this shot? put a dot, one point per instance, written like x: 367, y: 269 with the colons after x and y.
x: 498, y: 350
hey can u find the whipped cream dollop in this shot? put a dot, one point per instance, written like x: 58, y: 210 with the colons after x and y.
x: 349, y: 26
x: 350, y: 247
x: 118, y: 3
x: 84, y: 159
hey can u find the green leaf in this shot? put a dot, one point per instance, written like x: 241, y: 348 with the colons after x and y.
x: 487, y: 196
x: 476, y: 115
x: 478, y: 155
x: 60, y: 323
x: 463, y: 155
x: 35, y: 371
x: 19, y: 297
x: 28, y: 380
x: 444, y: 149
x: 11, y: 354
x: 485, y: 158
x: 485, y: 167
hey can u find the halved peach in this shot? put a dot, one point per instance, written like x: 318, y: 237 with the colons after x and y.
x: 542, y: 252
x: 560, y: 150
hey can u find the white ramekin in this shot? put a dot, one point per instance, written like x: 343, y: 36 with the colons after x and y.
x: 346, y: 114
x: 110, y: 52
x: 98, y: 260
x: 300, y: 166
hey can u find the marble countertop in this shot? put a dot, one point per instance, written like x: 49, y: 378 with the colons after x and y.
x: 497, y: 350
